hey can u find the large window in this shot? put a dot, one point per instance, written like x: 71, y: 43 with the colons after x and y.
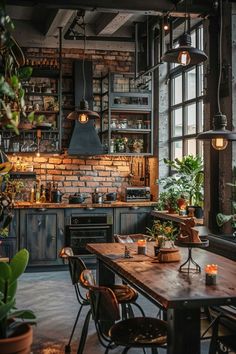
x: 186, y: 104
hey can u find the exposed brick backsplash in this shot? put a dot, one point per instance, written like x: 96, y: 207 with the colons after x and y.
x: 107, y: 173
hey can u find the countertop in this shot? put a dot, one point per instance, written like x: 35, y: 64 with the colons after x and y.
x: 64, y: 205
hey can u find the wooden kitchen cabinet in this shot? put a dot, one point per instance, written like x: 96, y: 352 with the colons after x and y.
x: 42, y: 233
x: 132, y: 220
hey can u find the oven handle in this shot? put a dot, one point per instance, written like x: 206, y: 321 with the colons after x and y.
x: 89, y: 227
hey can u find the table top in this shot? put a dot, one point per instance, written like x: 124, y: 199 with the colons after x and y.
x: 163, y: 283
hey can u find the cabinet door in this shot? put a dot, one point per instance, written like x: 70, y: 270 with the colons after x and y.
x: 42, y: 233
x: 132, y: 220
x: 9, y: 245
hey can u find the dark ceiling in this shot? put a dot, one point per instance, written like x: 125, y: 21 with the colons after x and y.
x: 105, y: 19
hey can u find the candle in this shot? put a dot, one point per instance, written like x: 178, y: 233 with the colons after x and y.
x: 142, y: 246
x: 211, y: 271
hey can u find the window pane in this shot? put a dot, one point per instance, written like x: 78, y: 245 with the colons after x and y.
x: 191, y: 119
x: 201, y: 78
x: 177, y: 149
x: 191, y: 84
x: 177, y: 122
x: 177, y: 89
x: 200, y: 34
x: 191, y: 147
x: 200, y: 116
x: 193, y: 38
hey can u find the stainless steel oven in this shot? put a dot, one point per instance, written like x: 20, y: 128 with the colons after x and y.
x: 87, y: 228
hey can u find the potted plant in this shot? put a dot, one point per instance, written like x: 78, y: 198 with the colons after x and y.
x: 15, y: 331
x: 189, y: 179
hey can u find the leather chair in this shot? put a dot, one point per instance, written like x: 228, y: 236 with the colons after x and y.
x: 137, y: 332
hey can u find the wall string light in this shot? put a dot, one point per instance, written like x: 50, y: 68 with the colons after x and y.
x: 219, y: 135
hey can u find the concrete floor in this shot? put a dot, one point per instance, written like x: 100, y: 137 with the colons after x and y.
x: 51, y: 296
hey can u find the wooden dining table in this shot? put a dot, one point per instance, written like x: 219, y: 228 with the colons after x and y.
x: 181, y: 294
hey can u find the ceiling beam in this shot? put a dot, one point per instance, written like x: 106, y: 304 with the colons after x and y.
x: 60, y: 20
x: 148, y: 7
x: 107, y: 24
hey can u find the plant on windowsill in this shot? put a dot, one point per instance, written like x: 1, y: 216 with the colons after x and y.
x: 188, y: 180
x: 15, y: 331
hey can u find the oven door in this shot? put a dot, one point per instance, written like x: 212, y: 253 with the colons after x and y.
x: 77, y: 236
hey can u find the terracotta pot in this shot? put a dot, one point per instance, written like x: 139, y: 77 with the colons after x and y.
x: 20, y: 343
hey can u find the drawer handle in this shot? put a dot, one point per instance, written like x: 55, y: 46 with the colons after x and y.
x: 41, y: 209
x: 89, y: 208
x: 134, y: 208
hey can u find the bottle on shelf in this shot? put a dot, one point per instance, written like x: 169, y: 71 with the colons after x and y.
x: 37, y: 194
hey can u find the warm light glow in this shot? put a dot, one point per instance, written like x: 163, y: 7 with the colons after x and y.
x: 38, y: 154
x: 184, y: 58
x: 211, y: 269
x: 166, y: 27
x: 83, y: 118
x: 219, y: 143
x: 141, y: 243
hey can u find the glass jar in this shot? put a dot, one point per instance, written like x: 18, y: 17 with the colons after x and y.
x: 124, y: 123
x: 139, y: 124
x: 112, y: 146
x: 113, y: 123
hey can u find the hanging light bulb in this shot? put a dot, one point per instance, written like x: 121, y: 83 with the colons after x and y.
x: 184, y: 54
x: 165, y: 23
x: 219, y: 135
x: 219, y: 143
x: 83, y: 113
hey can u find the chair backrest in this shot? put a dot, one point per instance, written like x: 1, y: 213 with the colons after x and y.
x: 104, y: 304
x: 130, y: 238
x: 87, y: 279
x: 76, y: 267
x: 66, y: 252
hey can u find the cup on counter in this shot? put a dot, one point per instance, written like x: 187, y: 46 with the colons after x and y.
x: 211, y: 271
x: 142, y: 246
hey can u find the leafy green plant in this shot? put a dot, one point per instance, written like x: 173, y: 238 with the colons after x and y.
x: 188, y: 179
x: 10, y: 317
x: 12, y: 104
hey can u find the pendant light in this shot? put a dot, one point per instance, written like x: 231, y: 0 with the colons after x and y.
x: 219, y: 135
x: 185, y: 54
x: 83, y: 113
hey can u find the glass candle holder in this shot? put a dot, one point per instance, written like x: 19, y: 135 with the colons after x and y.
x: 211, y: 271
x: 142, y: 246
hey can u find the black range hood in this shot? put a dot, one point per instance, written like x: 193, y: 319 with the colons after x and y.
x: 84, y: 139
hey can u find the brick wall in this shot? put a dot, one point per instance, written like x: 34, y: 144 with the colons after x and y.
x: 83, y: 175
